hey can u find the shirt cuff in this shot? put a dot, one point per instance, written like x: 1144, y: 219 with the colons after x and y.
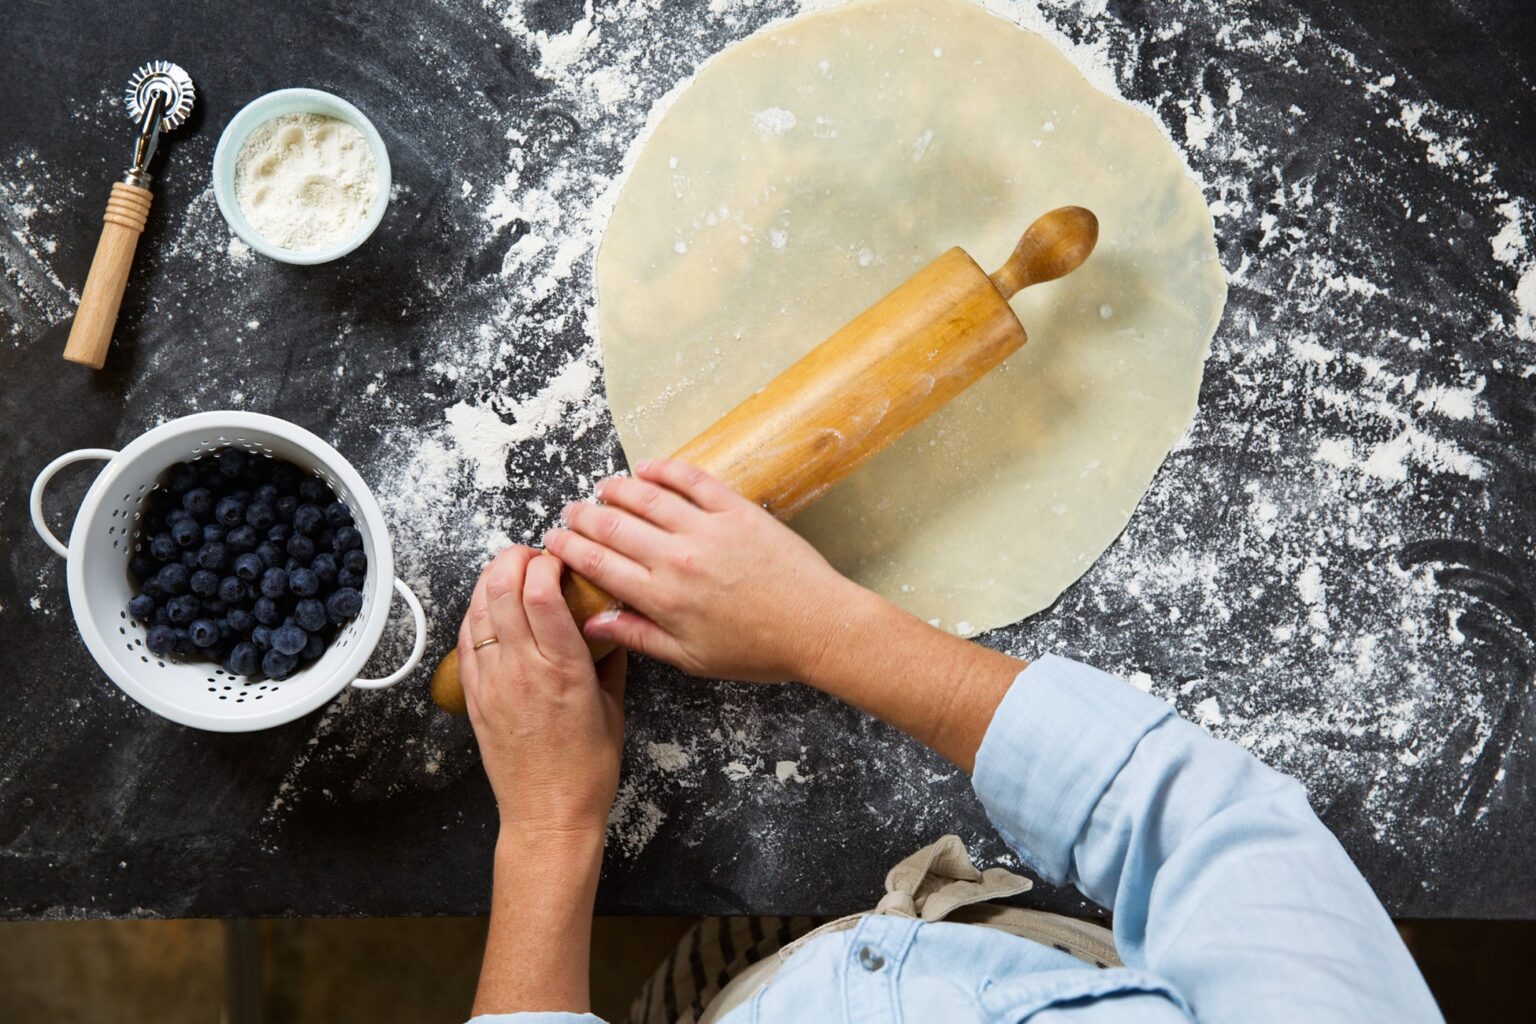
x: 1056, y: 742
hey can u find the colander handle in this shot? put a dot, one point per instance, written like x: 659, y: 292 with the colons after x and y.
x: 417, y: 650
x: 40, y: 485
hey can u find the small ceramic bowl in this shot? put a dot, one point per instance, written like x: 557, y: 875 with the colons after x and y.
x: 276, y: 104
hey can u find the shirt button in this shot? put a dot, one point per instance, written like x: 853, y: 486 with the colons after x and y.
x: 870, y: 959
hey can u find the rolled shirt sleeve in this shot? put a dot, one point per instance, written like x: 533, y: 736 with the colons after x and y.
x: 1221, y: 878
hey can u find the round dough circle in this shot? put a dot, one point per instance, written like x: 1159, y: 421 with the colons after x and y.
x: 810, y: 169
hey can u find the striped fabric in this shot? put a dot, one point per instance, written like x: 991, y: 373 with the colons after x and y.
x: 711, y: 953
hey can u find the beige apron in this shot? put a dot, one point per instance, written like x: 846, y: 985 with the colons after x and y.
x: 937, y: 883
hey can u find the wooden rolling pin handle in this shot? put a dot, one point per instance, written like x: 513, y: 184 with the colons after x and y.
x: 930, y: 338
x: 91, y: 333
x: 1055, y: 245
x: 582, y: 597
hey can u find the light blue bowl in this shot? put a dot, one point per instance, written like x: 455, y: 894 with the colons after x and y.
x: 276, y: 104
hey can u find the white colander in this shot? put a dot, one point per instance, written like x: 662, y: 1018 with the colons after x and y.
x: 106, y: 533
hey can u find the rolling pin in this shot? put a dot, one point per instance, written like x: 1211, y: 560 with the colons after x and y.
x: 847, y: 399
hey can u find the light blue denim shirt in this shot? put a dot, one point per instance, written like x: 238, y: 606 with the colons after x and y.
x: 1231, y: 900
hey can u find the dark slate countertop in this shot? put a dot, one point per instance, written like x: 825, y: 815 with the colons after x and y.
x: 1335, y: 568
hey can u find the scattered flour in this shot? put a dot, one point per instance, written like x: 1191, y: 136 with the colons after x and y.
x: 773, y: 121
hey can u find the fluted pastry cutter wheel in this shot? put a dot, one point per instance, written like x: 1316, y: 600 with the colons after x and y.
x: 159, y: 99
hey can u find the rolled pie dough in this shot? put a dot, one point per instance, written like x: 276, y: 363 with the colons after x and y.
x: 810, y: 169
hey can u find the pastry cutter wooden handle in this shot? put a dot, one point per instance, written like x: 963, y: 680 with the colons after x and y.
x: 160, y: 96
x: 855, y: 393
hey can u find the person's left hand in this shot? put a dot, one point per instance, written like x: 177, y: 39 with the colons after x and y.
x: 550, y: 724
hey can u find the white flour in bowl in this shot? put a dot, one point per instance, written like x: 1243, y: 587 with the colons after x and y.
x: 306, y: 181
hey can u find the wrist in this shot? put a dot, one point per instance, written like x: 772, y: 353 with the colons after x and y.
x: 851, y: 618
x: 567, y: 853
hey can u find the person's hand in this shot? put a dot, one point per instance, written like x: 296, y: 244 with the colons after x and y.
x: 550, y: 724
x: 713, y: 583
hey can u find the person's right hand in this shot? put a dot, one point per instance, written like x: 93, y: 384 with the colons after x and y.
x: 713, y: 583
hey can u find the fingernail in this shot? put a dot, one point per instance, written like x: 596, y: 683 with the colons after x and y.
x: 548, y: 534
x: 644, y: 464
x: 603, y: 618
x: 565, y: 513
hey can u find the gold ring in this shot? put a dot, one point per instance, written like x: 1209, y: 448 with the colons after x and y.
x: 486, y: 643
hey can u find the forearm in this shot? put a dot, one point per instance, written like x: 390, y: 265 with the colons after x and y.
x: 934, y: 686
x: 538, y: 947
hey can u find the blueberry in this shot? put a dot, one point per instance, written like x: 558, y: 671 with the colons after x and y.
x: 260, y: 516
x: 309, y: 614
x: 212, y: 555
x: 231, y: 462
x: 173, y: 578
x: 314, y: 647
x: 284, y: 508
x: 204, y: 583
x: 226, y: 631
x: 153, y: 588
x: 142, y: 567
x: 292, y: 564
x: 204, y: 632
x: 142, y: 607
x: 301, y: 547
x: 198, y: 502
x: 278, y: 665
x: 278, y: 533
x: 183, y: 643
x: 343, y: 604
x: 232, y: 589
x: 242, y: 539
x: 274, y: 583
x: 289, y: 639
x: 160, y: 640
x: 243, y: 659
x: 337, y: 514
x: 215, y: 608
x: 249, y: 567
x: 182, y: 477
x: 186, y: 533
x: 162, y: 547
x: 176, y: 515
x: 266, y: 494
x: 348, y: 578
x: 270, y: 554
x: 314, y: 490
x: 308, y: 518
x: 266, y: 611
x: 324, y: 566
x: 183, y: 609
x: 325, y: 540
x: 229, y: 512
x: 285, y: 476
x: 261, y: 636
x: 356, y: 560
x: 213, y: 533
x: 347, y: 539
x: 188, y: 558
x: 241, y: 620
x: 303, y: 582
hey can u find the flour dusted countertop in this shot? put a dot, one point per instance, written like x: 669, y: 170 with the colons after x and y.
x: 1335, y: 568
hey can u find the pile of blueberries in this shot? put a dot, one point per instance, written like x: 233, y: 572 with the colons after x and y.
x: 247, y: 561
